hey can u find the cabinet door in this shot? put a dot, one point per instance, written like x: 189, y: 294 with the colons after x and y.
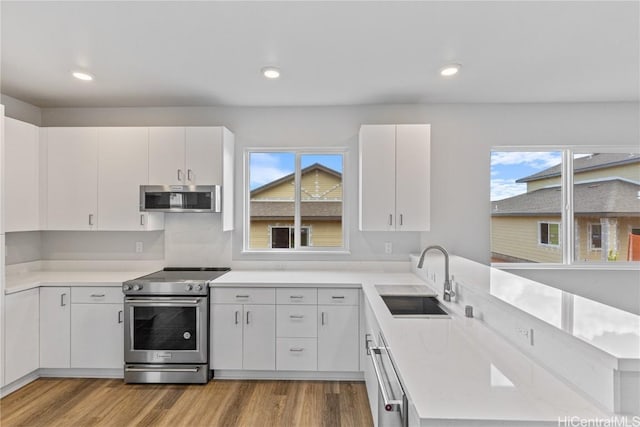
x: 72, y: 194
x: 21, y: 334
x: 338, y: 338
x: 97, y: 339
x: 226, y: 336
x: 259, y: 340
x: 123, y: 158
x: 55, y: 327
x: 22, y: 175
x: 166, y: 155
x: 413, y: 177
x: 377, y: 177
x: 204, y: 155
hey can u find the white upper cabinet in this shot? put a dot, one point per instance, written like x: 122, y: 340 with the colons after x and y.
x: 201, y: 155
x: 22, y: 176
x: 123, y: 168
x: 72, y: 178
x: 167, y: 155
x: 394, y: 177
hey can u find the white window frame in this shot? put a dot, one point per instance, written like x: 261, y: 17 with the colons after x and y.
x: 567, y: 233
x: 290, y: 227
x: 550, y: 245
x: 298, y: 152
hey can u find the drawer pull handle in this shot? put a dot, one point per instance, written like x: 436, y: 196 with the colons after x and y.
x: 296, y: 349
x: 120, y: 316
x: 236, y: 316
x: 248, y: 317
x: 296, y: 297
x: 62, y: 303
x: 296, y: 316
x: 322, y: 318
x: 97, y: 295
x: 242, y: 296
x: 337, y: 297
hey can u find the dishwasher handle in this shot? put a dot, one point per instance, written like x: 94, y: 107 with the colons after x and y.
x: 389, y: 404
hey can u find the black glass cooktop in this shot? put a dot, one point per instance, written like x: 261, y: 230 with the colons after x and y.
x: 180, y: 274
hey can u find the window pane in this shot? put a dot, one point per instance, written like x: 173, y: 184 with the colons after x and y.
x: 321, y: 200
x: 526, y: 201
x: 271, y: 200
x: 606, y: 205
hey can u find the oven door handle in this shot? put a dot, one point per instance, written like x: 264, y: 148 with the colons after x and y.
x: 389, y: 404
x: 161, y: 369
x: 157, y: 301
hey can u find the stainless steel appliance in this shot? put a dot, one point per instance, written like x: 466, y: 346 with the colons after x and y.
x: 393, y: 405
x: 166, y: 323
x: 180, y: 198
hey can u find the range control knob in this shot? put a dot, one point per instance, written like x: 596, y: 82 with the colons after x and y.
x: 137, y: 287
x: 126, y: 287
x: 197, y: 287
x: 188, y: 287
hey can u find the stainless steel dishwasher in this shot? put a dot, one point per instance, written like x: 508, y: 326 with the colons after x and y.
x: 392, y: 400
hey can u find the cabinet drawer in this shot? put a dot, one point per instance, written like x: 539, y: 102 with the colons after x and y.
x: 97, y: 295
x: 297, y: 354
x: 243, y: 296
x: 296, y: 296
x: 297, y: 321
x: 338, y: 296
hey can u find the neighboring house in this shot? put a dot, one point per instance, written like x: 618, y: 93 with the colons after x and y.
x: 527, y: 227
x: 272, y: 210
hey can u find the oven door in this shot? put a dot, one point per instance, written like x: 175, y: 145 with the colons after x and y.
x: 166, y: 330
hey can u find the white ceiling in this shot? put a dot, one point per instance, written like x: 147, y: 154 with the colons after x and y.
x: 331, y: 53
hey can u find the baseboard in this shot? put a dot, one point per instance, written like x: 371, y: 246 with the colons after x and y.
x: 80, y: 373
x: 19, y: 383
x: 228, y: 374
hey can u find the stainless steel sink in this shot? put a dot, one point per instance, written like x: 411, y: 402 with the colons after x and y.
x: 415, y: 306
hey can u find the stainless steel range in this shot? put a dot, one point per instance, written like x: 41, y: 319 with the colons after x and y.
x: 166, y: 323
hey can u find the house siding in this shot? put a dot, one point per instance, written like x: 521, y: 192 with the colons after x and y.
x: 517, y: 237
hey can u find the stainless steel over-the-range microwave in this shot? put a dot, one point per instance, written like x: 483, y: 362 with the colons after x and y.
x: 180, y: 198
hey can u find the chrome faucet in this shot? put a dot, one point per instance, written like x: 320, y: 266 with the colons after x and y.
x: 448, y: 290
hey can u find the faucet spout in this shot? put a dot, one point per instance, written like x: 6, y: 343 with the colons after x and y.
x: 448, y: 290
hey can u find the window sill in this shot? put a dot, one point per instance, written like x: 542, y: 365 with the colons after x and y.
x: 633, y: 266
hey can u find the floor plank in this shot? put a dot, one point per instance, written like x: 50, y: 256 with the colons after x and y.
x: 100, y: 402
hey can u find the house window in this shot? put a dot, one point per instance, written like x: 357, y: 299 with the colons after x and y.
x: 595, y: 237
x: 284, y: 237
x: 289, y: 194
x: 588, y: 199
x: 549, y: 234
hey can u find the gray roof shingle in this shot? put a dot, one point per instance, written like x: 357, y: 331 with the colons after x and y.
x: 583, y: 164
x: 605, y: 198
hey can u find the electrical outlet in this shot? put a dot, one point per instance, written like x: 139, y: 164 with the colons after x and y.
x: 388, y: 247
x: 139, y: 247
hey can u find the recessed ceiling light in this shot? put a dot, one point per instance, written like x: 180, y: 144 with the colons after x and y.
x: 82, y: 76
x: 450, y: 70
x: 271, y: 72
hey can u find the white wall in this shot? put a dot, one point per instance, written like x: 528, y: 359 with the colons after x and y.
x: 462, y: 136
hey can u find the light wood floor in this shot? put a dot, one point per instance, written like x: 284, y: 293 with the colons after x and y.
x: 99, y: 402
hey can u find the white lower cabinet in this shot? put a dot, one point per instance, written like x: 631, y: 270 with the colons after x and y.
x: 55, y: 327
x: 297, y: 354
x: 338, y: 338
x: 97, y: 333
x: 285, y: 329
x: 21, y: 334
x: 226, y: 336
x: 258, y: 341
x: 243, y: 336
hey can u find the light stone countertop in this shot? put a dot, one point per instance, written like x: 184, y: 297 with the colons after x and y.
x: 23, y: 281
x: 455, y: 371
